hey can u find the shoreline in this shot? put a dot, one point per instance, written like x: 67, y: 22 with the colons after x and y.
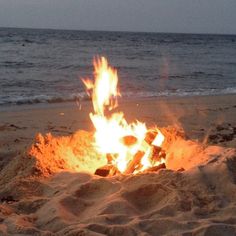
x: 121, y: 100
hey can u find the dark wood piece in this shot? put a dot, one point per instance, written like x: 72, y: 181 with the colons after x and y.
x: 107, y: 170
x: 156, y: 168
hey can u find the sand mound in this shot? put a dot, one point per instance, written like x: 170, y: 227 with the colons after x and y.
x: 42, y: 193
x: 74, y: 153
x: 49, y: 155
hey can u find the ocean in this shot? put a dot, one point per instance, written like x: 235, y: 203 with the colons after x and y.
x: 46, y: 66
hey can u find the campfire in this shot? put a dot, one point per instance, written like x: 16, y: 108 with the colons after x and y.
x: 128, y: 148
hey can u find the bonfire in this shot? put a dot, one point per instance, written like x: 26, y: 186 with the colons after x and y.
x: 52, y: 189
x: 128, y: 148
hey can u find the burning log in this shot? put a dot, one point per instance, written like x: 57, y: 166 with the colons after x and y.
x: 156, y: 168
x: 157, y: 154
x: 134, y: 163
x: 109, y: 136
x: 107, y: 170
x: 150, y: 136
x: 162, y: 154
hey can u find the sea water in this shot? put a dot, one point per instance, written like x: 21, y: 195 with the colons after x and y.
x: 46, y: 66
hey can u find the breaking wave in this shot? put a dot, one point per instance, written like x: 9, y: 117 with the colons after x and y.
x: 128, y: 95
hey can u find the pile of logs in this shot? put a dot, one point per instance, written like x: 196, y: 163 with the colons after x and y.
x: 156, y: 155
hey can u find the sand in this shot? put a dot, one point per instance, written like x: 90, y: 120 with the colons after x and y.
x: 47, y: 186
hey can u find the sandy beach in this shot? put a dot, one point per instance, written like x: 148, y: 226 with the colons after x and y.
x: 199, y: 117
x: 195, y: 195
x: 117, y: 118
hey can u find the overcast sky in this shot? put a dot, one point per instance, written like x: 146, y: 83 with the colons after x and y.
x: 186, y: 16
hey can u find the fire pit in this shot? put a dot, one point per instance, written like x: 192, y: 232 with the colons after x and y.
x: 128, y: 148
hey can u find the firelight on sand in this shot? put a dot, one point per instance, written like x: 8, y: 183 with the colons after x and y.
x: 130, y: 148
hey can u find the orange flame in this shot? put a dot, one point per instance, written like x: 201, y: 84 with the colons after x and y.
x: 104, y: 87
x: 111, y: 130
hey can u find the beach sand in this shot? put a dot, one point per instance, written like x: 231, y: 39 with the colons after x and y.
x: 42, y: 193
x: 198, y: 116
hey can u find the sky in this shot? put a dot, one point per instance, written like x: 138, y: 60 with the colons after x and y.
x: 177, y: 16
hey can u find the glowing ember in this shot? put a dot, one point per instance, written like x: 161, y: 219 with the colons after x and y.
x: 131, y: 148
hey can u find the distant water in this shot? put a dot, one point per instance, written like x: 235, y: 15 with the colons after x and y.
x: 46, y: 65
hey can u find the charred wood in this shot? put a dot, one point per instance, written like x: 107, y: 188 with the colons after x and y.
x: 107, y: 170
x: 156, y: 168
x: 150, y: 136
